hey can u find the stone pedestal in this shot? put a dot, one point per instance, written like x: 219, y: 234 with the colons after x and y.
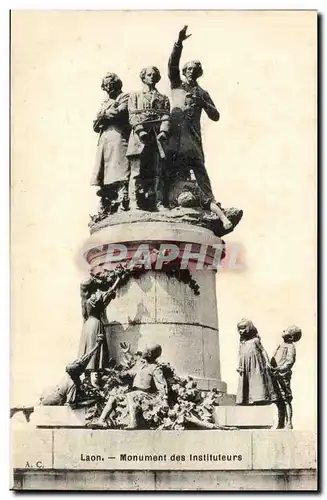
x: 83, y: 459
x: 155, y: 308
x: 231, y: 416
x: 250, y: 417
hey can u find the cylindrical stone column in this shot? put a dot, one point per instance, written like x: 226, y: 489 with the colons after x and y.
x: 161, y: 309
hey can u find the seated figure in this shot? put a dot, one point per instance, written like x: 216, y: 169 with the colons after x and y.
x: 148, y: 381
x: 186, y: 193
x: 67, y: 391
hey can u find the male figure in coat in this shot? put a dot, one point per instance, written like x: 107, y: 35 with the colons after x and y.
x: 282, y: 363
x: 149, y: 118
x: 111, y: 170
x: 188, y: 101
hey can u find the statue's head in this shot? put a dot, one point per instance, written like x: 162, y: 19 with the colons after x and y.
x: 292, y: 334
x: 192, y: 70
x: 246, y: 329
x: 151, y: 352
x: 150, y: 75
x: 111, y: 83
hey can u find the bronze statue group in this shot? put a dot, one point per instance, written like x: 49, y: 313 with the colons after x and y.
x: 150, y: 155
x: 141, y: 384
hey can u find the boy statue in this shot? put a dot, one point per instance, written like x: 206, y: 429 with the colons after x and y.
x: 148, y: 380
x: 281, y: 365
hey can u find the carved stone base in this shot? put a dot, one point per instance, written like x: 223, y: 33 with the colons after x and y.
x: 75, y: 459
x: 193, y: 216
x: 227, y: 414
x: 157, y: 309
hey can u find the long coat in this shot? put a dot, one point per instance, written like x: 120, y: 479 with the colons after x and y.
x: 92, y: 328
x: 148, y: 110
x: 111, y: 164
x: 255, y: 382
x: 185, y: 139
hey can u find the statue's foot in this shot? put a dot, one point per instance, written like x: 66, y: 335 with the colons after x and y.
x: 160, y: 208
x: 227, y: 225
x: 122, y: 209
x: 99, y: 424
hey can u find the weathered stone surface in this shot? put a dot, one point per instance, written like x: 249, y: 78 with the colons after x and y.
x: 250, y: 480
x: 32, y: 448
x: 54, y: 416
x: 182, y: 347
x: 284, y: 449
x: 135, y: 302
x: 155, y: 308
x: 271, y: 460
x: 167, y: 449
x: 152, y: 231
x: 176, y: 302
x: 188, y: 216
x: 227, y: 400
x: 155, y: 298
x: 246, y: 416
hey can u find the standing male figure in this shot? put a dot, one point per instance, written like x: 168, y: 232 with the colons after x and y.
x: 282, y: 363
x: 111, y: 170
x: 149, y: 118
x: 188, y: 101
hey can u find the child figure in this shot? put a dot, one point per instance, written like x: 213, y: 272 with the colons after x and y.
x: 148, y: 380
x: 255, y: 384
x: 282, y: 363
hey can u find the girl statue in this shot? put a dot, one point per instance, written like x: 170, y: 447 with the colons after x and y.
x: 255, y: 383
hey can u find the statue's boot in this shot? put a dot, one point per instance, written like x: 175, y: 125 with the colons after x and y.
x: 289, y: 415
x: 160, y: 207
x: 281, y: 415
x: 100, y: 424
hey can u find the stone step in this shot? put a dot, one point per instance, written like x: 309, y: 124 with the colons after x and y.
x: 247, y: 416
x: 57, y: 416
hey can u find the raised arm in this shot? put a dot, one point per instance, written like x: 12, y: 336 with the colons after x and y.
x: 175, y: 57
x: 110, y: 294
x: 173, y: 66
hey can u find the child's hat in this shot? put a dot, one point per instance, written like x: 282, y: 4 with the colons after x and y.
x: 293, y: 330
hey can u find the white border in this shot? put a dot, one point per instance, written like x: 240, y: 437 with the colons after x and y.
x: 319, y: 5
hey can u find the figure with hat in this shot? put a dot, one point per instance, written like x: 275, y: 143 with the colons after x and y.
x: 111, y: 172
x: 149, y: 118
x: 188, y: 99
x: 148, y: 381
x: 282, y: 363
x: 256, y: 385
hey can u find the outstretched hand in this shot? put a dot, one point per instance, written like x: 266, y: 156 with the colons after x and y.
x: 125, y: 347
x: 182, y: 35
